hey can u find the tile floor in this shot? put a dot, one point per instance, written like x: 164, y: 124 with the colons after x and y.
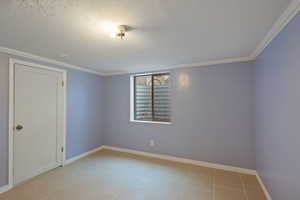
x: 110, y: 175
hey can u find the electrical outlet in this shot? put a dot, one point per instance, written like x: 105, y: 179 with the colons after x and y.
x: 152, y: 143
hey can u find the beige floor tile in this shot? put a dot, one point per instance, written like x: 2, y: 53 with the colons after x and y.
x: 200, y: 171
x: 200, y: 177
x: 255, y: 194
x: 25, y: 191
x: 196, y: 192
x: 150, y: 194
x: 112, y: 175
x: 223, y: 193
x: 228, y: 179
x: 83, y: 191
x: 250, y: 181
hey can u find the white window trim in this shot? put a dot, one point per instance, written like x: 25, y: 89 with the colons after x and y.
x: 132, y: 100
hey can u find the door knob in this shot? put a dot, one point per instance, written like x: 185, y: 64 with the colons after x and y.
x: 19, y: 127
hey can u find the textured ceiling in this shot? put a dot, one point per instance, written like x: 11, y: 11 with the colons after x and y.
x: 166, y: 32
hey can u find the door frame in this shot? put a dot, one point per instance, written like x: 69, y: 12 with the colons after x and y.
x: 12, y: 63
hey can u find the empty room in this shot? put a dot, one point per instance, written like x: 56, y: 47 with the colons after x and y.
x: 149, y: 100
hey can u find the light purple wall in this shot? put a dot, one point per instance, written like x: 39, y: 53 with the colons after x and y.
x: 84, y: 113
x: 212, y: 119
x: 3, y: 119
x: 278, y: 114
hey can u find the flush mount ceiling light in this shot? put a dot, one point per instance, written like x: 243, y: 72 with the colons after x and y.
x: 119, y: 32
x: 114, y: 30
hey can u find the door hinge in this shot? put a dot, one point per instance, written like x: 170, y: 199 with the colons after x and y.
x: 62, y: 83
x: 62, y: 149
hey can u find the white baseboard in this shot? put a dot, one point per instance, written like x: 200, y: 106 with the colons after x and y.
x: 4, y: 188
x: 71, y: 160
x: 184, y: 160
x: 263, y: 187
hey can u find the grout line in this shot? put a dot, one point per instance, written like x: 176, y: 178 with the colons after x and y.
x: 244, y: 187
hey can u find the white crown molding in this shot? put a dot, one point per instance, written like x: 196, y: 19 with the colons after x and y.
x: 283, y: 20
x: 200, y: 64
x: 47, y: 60
x: 62, y: 64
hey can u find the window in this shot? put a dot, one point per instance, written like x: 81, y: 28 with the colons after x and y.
x: 151, y: 97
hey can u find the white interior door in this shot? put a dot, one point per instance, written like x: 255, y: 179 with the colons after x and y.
x: 38, y: 118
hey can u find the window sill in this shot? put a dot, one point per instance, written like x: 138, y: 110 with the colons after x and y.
x: 151, y: 122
